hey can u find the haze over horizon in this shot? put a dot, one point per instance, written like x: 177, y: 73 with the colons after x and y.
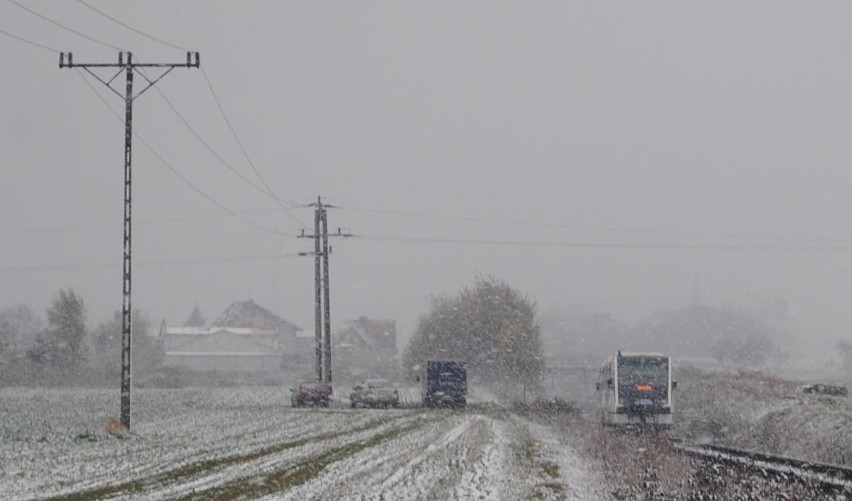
x: 582, y: 152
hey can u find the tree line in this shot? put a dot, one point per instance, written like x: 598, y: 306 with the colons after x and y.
x: 64, y: 350
x: 729, y: 335
x: 499, y: 333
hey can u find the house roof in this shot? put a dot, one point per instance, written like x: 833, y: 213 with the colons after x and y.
x: 250, y: 314
x: 204, y: 331
x: 370, y: 332
x: 220, y: 354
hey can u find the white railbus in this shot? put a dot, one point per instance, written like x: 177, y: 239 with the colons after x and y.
x: 635, y: 389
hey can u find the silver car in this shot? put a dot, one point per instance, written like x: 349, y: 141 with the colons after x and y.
x: 374, y: 393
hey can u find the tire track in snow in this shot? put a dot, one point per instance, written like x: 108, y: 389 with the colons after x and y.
x: 193, y: 475
x: 431, y: 462
x: 480, y: 481
x: 401, y: 474
x: 577, y: 480
x: 298, y: 471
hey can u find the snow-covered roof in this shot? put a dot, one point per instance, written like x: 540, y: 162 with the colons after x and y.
x: 220, y: 354
x: 369, y: 332
x: 641, y: 354
x: 250, y: 314
x: 206, y: 331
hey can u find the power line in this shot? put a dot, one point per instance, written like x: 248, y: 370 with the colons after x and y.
x: 153, y: 263
x: 66, y: 28
x: 541, y: 224
x: 271, y: 257
x: 604, y: 245
x: 267, y: 191
x: 132, y: 28
x: 88, y: 227
x: 639, y: 231
x: 175, y: 171
x: 243, y: 149
x: 35, y: 44
x: 207, y: 145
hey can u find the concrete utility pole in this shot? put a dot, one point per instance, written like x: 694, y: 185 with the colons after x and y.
x: 127, y: 67
x: 322, y: 290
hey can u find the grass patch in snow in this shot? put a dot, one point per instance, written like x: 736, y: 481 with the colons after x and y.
x: 528, y: 453
x: 550, y: 468
x: 282, y: 480
x: 205, y: 466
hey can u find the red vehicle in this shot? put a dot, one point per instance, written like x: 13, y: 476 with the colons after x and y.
x: 312, y: 394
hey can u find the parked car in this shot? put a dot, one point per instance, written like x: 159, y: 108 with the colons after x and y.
x: 374, y: 393
x: 826, y: 389
x: 312, y: 394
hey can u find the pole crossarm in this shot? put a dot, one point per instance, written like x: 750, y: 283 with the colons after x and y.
x: 66, y: 60
x: 151, y: 83
x: 129, y: 67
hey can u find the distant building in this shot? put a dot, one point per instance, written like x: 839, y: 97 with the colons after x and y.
x: 365, y: 348
x: 245, y: 338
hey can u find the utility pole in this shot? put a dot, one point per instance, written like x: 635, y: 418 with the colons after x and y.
x: 327, y: 298
x: 322, y: 290
x: 318, y: 290
x: 128, y: 67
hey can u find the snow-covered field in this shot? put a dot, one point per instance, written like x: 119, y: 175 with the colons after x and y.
x: 247, y: 443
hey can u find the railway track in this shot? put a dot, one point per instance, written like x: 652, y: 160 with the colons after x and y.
x: 827, y: 476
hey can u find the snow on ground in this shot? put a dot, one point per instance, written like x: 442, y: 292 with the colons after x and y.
x: 238, y: 443
x: 458, y: 455
x: 764, y: 413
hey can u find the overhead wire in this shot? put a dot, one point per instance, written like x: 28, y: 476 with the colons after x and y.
x: 177, y: 173
x: 184, y: 179
x: 163, y: 262
x: 541, y: 224
x: 88, y: 227
x: 239, y: 142
x: 27, y: 41
x: 268, y: 191
x: 242, y: 147
x: 204, y: 142
x: 131, y: 28
x: 638, y: 231
x: 66, y: 28
x: 606, y: 245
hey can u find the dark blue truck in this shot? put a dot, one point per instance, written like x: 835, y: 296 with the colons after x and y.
x: 446, y: 384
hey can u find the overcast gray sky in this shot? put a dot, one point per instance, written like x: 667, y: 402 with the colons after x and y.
x: 660, y: 124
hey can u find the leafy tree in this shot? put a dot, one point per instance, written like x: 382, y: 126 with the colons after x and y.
x: 196, y: 319
x: 490, y: 326
x: 64, y: 341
